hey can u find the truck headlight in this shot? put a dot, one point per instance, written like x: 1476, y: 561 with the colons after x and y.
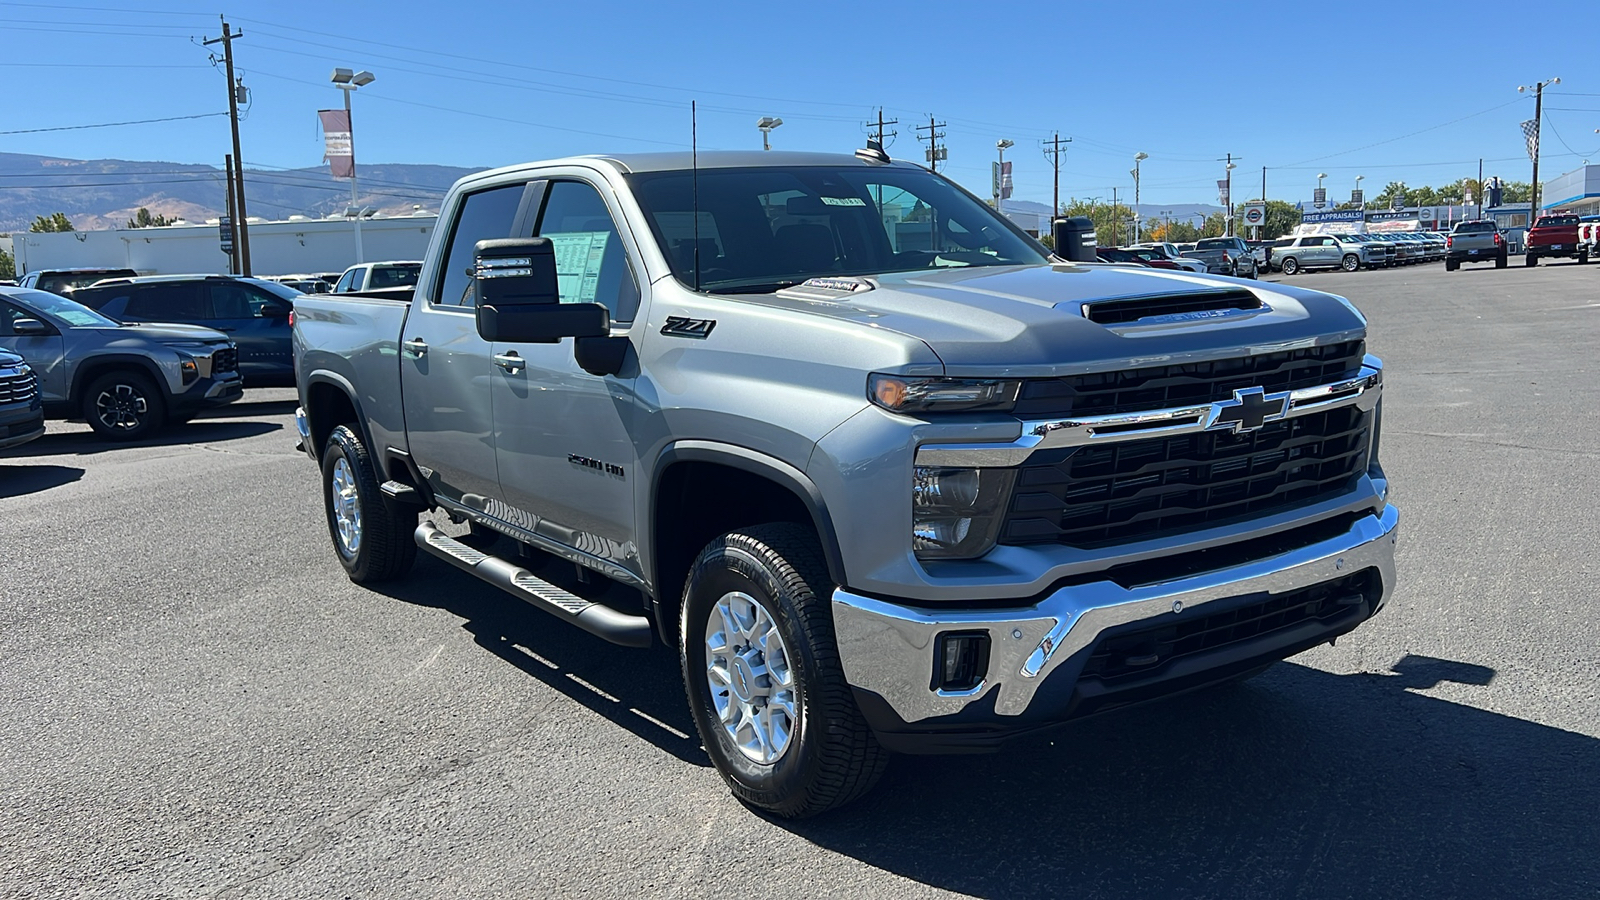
x: 956, y: 513
x: 906, y: 395
x: 188, y: 367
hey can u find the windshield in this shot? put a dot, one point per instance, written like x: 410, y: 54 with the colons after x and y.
x: 70, y: 311
x: 762, y: 229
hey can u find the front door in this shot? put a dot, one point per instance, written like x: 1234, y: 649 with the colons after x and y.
x: 445, y: 372
x: 563, y: 436
x: 46, y: 353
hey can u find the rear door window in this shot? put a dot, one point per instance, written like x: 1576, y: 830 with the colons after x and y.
x: 175, y: 302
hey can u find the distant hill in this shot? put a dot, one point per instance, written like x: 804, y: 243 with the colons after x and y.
x: 105, y: 193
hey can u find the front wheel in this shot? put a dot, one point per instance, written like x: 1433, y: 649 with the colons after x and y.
x: 124, y: 406
x: 1290, y: 265
x: 1350, y: 263
x: 763, y: 675
x: 373, y: 542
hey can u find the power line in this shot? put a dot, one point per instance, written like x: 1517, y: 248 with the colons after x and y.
x: 114, y: 124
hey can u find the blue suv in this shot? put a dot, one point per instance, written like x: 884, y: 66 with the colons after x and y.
x: 251, y: 311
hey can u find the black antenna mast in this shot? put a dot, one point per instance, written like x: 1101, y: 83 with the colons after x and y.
x: 694, y: 176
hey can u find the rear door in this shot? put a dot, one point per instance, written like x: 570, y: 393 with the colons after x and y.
x: 264, y: 353
x: 445, y: 372
x: 562, y: 436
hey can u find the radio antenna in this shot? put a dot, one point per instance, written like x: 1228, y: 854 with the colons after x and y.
x: 694, y: 176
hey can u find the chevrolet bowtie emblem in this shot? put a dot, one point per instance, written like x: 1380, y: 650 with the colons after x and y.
x: 1249, y: 409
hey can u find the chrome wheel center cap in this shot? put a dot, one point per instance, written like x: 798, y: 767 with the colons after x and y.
x: 743, y: 680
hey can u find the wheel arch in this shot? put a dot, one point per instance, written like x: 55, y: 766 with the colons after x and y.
x: 95, y: 366
x: 757, y: 489
x: 330, y: 401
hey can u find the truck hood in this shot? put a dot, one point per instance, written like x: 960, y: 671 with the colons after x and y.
x: 164, y: 331
x: 1028, y: 321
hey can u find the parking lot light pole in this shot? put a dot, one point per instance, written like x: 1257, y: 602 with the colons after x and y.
x: 1538, y: 125
x: 1139, y: 157
x: 766, y: 124
x: 1363, y: 199
x: 347, y: 81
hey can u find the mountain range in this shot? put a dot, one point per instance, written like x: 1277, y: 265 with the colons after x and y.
x: 105, y: 193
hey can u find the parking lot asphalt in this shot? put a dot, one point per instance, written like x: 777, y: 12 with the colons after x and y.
x: 194, y: 701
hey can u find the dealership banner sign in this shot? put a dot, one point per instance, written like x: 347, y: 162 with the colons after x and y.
x: 337, y: 147
x: 1333, y: 215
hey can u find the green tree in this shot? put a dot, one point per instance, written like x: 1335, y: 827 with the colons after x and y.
x: 143, y: 219
x: 54, y: 223
x: 8, y: 265
x: 1113, y: 224
x: 1516, y: 192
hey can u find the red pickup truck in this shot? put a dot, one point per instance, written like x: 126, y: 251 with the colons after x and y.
x: 1553, y: 236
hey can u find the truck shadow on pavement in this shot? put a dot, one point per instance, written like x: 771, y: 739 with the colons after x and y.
x: 18, y: 480
x: 1298, y: 784
x: 641, y: 692
x: 199, y: 431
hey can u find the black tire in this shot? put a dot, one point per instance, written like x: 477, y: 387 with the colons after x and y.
x: 1290, y: 265
x: 1450, y: 265
x: 1583, y: 259
x: 385, y: 548
x: 1500, y: 261
x: 1350, y: 263
x: 123, y: 406
x: 1530, y: 260
x: 832, y: 757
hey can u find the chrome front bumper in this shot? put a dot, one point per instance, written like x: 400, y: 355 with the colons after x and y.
x: 888, y: 648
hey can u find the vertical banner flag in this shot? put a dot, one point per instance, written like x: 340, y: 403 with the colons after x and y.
x: 336, y: 145
x: 1222, y: 190
x: 1005, y: 181
x: 1530, y: 134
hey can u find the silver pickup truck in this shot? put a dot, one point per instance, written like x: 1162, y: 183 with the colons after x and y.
x: 1474, y: 241
x: 884, y: 474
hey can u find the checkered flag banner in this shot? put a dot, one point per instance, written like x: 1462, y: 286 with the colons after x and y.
x: 1530, y: 134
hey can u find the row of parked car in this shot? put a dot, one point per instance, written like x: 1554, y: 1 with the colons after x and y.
x: 129, y: 354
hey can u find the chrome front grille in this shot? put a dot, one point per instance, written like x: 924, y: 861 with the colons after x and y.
x: 1125, y: 491
x: 18, y: 387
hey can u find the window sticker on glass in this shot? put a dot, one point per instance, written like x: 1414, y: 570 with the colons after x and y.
x: 843, y: 201
x: 578, y: 258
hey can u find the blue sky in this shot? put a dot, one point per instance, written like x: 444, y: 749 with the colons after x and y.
x: 1413, y: 91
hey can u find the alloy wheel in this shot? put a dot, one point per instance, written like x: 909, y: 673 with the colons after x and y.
x: 752, y: 683
x: 121, y: 407
x: 346, y: 507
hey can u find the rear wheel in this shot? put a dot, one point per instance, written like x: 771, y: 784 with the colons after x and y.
x: 1583, y: 259
x: 762, y: 670
x: 1350, y: 263
x: 124, y: 406
x: 373, y: 542
x: 1450, y: 265
x: 1500, y: 261
x: 1530, y: 260
x: 1290, y: 265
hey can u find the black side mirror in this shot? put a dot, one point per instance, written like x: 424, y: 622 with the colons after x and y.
x: 1075, y: 238
x: 275, y: 309
x: 519, y: 300
x: 29, y: 327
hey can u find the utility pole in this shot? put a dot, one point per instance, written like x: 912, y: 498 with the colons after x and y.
x: 935, y: 152
x: 1053, y: 152
x: 233, y: 223
x: 1533, y: 150
x: 241, y: 218
x: 879, y: 125
x: 1480, y: 187
x: 1115, y: 234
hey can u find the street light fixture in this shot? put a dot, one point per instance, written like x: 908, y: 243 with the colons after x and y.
x: 347, y: 81
x: 1001, y: 146
x: 766, y: 124
x: 1538, y: 125
x: 1227, y: 222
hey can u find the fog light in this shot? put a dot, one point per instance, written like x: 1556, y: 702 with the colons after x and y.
x: 961, y: 660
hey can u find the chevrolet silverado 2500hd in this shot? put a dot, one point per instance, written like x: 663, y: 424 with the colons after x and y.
x: 885, y: 474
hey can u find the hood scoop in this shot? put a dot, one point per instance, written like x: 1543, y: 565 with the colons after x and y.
x: 1161, y: 309
x: 826, y: 288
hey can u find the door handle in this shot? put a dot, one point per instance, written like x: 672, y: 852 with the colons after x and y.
x: 510, y: 361
x: 416, y: 347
